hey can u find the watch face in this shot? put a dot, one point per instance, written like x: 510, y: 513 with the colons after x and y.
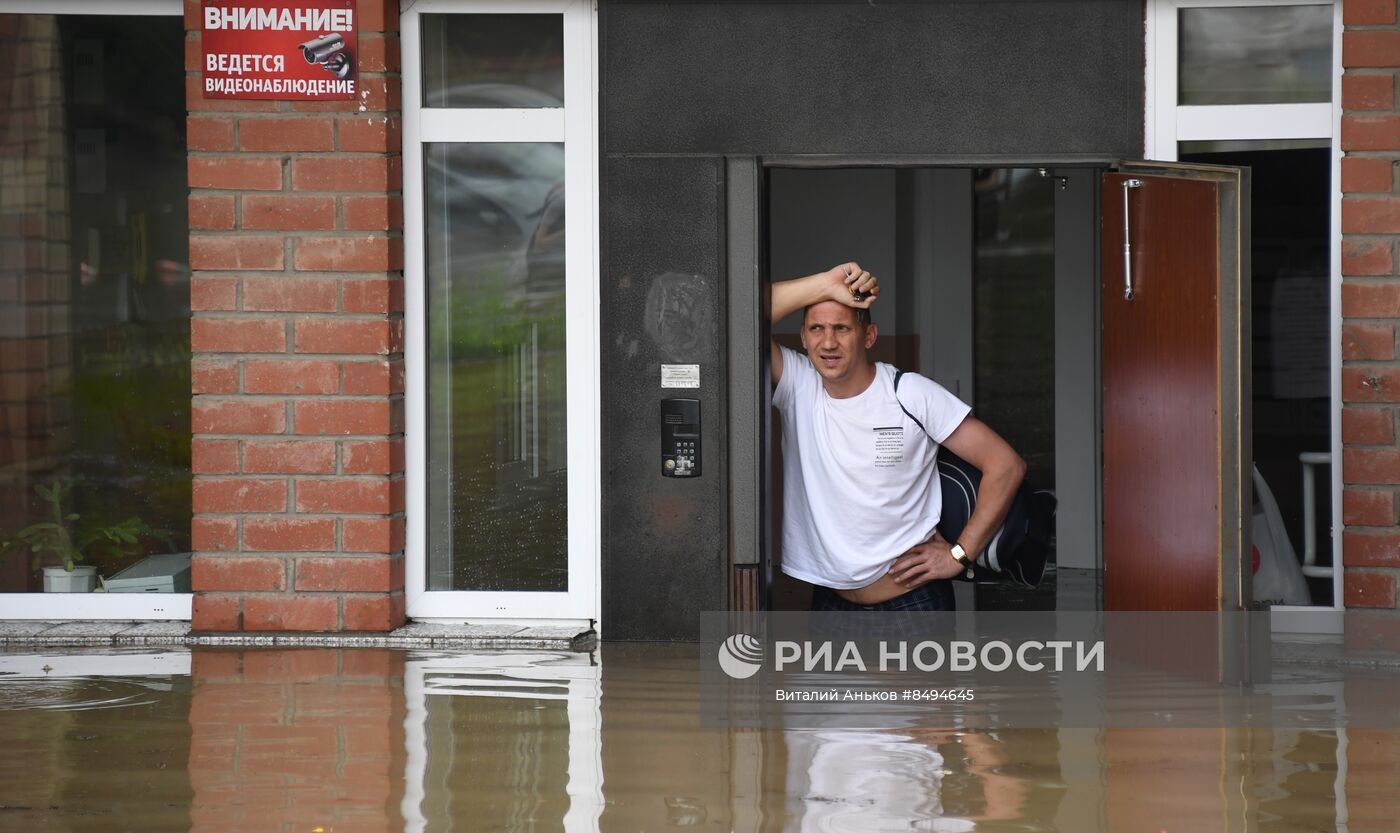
x: 959, y: 554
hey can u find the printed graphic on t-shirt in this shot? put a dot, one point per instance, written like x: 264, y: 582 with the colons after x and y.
x: 889, y: 446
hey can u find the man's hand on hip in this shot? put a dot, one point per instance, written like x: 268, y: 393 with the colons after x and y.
x: 925, y: 562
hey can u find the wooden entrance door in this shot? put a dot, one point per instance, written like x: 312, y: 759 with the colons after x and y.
x: 1175, y: 389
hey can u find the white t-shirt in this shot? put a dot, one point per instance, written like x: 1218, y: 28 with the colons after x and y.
x: 860, y: 480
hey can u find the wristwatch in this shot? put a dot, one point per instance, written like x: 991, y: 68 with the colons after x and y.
x: 960, y: 555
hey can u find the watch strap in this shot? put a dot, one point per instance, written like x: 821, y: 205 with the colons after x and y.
x: 960, y: 555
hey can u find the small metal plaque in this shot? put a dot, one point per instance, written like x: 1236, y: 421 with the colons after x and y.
x: 680, y: 375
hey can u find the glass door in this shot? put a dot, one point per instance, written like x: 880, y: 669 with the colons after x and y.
x: 500, y: 205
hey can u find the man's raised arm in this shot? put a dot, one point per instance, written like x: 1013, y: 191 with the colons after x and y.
x: 839, y: 283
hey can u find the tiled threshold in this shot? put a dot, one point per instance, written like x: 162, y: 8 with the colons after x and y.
x: 16, y: 633
x: 1327, y: 650
x: 1291, y: 649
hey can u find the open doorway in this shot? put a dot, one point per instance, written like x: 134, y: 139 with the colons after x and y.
x: 1119, y: 372
x: 1290, y: 378
x: 988, y: 287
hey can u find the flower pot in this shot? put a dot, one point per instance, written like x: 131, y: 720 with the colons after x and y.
x: 80, y: 580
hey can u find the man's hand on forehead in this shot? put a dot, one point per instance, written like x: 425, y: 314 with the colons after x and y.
x: 853, y: 286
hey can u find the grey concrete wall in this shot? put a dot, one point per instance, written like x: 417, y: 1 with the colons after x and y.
x: 871, y: 76
x: 664, y: 539
x: 685, y: 84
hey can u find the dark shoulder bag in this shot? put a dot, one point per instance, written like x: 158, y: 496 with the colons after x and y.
x: 1022, y: 544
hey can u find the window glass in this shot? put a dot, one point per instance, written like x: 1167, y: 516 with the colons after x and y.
x: 1255, y: 55
x: 497, y: 489
x: 1014, y: 312
x: 94, y: 290
x: 493, y: 60
x: 1185, y: 149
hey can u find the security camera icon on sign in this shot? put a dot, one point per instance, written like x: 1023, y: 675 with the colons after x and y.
x: 329, y: 51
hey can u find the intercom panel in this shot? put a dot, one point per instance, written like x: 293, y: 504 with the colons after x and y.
x: 680, y: 437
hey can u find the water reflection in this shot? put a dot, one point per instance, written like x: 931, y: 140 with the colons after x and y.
x: 382, y: 740
x: 502, y: 742
x: 95, y: 743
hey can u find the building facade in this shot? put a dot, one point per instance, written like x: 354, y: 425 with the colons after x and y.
x: 432, y: 328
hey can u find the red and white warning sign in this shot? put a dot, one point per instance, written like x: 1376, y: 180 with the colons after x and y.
x: 287, y: 49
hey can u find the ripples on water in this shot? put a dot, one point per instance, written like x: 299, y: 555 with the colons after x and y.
x: 79, y: 694
x: 367, y: 739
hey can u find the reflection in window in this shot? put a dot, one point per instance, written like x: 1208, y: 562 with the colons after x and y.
x: 1256, y: 55
x: 94, y: 284
x: 499, y: 752
x: 1014, y: 313
x: 497, y: 492
x: 493, y: 60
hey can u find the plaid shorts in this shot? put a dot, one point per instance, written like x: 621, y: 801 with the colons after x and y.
x: 935, y: 595
x: 898, y: 618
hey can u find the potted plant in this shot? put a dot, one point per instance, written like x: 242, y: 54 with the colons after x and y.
x: 62, y: 538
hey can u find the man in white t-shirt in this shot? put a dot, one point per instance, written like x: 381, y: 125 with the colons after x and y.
x: 861, y: 493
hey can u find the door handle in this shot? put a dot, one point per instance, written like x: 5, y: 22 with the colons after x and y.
x: 1128, y: 184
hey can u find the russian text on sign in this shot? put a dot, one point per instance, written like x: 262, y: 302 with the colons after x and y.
x: 222, y: 62
x: 303, y: 86
x: 320, y: 20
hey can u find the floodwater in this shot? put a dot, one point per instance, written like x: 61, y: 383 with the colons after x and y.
x: 361, y: 739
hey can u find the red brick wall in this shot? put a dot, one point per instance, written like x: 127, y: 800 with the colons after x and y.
x: 307, y: 739
x: 1370, y: 302
x: 296, y: 252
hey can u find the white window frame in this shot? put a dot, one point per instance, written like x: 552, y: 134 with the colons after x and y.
x: 1166, y: 123
x: 576, y: 126
x: 124, y: 8
x: 116, y: 606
